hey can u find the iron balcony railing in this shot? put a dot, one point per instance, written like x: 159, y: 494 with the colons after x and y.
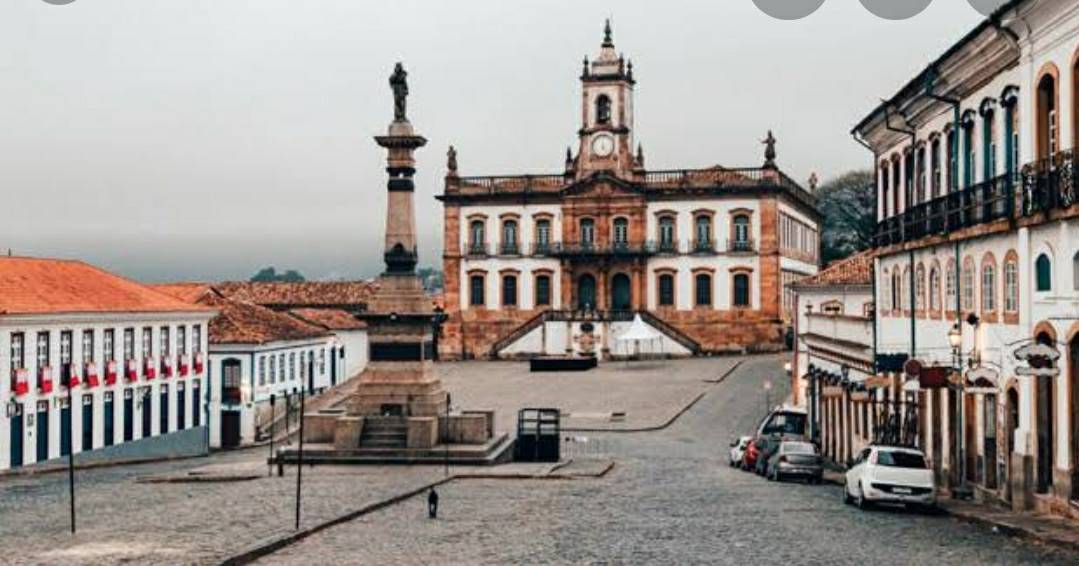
x: 741, y: 246
x: 1043, y: 186
x: 476, y: 249
x: 509, y: 248
x: 701, y: 246
x: 603, y: 249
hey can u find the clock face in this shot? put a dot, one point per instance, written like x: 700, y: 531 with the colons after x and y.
x: 603, y: 146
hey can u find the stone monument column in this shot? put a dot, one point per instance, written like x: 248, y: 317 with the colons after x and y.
x: 399, y: 379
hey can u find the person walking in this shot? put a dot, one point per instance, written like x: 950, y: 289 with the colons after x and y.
x: 432, y: 504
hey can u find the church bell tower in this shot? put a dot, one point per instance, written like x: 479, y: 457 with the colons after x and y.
x: 606, y: 135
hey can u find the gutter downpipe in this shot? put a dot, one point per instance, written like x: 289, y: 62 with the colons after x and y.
x: 956, y: 105
x: 873, y: 265
x: 913, y: 142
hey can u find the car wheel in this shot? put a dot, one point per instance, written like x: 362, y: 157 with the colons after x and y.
x: 861, y: 501
x: 847, y: 500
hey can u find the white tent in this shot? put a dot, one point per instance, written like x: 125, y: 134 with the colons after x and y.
x: 639, y: 332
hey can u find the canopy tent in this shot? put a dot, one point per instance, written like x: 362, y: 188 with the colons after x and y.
x: 637, y: 333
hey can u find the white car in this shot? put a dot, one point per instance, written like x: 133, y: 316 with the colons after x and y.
x: 738, y: 449
x: 891, y: 474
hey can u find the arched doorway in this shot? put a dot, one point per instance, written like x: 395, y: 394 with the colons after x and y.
x: 1073, y: 381
x: 586, y: 292
x: 1044, y: 422
x: 621, y: 296
x: 1012, y: 414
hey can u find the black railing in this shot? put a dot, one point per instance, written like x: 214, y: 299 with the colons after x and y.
x: 702, y: 246
x: 509, y: 248
x: 1043, y: 186
x: 740, y: 246
x: 541, y: 249
x: 605, y: 249
x: 476, y: 249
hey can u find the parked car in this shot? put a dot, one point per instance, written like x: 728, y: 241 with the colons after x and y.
x: 891, y: 474
x: 749, y: 459
x: 766, y: 446
x: 738, y: 449
x: 784, y: 421
x: 795, y: 458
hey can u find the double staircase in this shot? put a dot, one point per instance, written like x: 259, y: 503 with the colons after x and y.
x: 384, y: 432
x: 594, y: 316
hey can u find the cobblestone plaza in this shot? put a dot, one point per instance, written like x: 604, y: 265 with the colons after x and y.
x: 669, y: 498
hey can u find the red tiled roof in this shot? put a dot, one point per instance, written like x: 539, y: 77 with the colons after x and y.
x: 240, y: 322
x: 43, y: 286
x: 338, y: 294
x: 330, y: 319
x: 854, y: 270
x: 247, y: 323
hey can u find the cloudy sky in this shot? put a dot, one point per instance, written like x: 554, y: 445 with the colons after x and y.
x: 203, y: 139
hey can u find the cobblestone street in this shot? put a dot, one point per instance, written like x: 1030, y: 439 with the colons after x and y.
x: 669, y: 499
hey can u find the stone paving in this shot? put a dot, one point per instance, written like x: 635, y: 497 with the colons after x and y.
x: 649, y: 393
x: 671, y: 499
x: 121, y: 519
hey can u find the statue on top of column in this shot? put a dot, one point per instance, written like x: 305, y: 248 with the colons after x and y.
x: 399, y: 84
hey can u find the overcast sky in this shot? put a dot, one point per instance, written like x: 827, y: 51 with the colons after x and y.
x: 204, y: 139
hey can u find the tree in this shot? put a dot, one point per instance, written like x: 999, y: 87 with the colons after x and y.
x: 270, y: 275
x: 848, y: 204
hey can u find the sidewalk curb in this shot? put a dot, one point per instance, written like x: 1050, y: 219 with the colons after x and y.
x: 672, y: 419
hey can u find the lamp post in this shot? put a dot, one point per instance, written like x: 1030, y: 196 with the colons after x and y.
x: 767, y: 395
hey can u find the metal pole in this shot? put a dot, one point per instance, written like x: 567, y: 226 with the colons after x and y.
x: 299, y: 460
x: 71, y: 449
x: 273, y: 419
x: 446, y: 440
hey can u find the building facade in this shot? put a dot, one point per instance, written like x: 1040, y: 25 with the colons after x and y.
x: 977, y: 271
x: 97, y: 363
x: 703, y: 253
x: 260, y: 359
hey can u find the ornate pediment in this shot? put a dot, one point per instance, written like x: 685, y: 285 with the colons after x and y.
x: 602, y: 185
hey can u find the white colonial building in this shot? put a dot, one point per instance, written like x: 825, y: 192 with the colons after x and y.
x: 97, y: 365
x: 261, y: 359
x: 979, y: 243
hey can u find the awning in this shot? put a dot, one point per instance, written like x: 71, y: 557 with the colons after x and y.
x: 638, y: 331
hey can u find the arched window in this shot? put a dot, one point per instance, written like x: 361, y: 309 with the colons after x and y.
x: 588, y: 231
x: 896, y: 172
x: 477, y: 237
x: 920, y: 175
x: 989, y: 286
x: 949, y: 283
x: 703, y: 233
x: 509, y: 290
x: 543, y: 235
x: 1011, y: 286
x: 667, y: 234
x: 1043, y: 270
x: 621, y: 232
x: 543, y: 290
x: 953, y: 163
x: 919, y: 289
x: 967, y: 285
x: 934, y: 289
x: 741, y: 233
x: 886, y: 289
x: 1047, y: 119
x: 934, y: 168
x: 509, y: 237
x: 476, y: 288
x: 703, y: 289
x: 740, y: 283
x: 1075, y: 272
x: 666, y: 290
x: 897, y: 291
x: 603, y: 109
x: 884, y: 189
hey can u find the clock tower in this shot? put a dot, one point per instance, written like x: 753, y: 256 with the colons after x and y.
x: 606, y: 135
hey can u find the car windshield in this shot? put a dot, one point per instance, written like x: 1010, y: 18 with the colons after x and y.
x: 786, y: 423
x: 900, y: 459
x: 799, y: 448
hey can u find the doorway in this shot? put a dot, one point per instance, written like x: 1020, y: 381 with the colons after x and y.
x: 1044, y: 422
x: 110, y: 422
x: 15, y: 423
x: 42, y: 431
x: 1073, y: 376
x: 230, y: 429
x: 1011, y: 413
x: 586, y: 293
x: 989, y: 448
x: 937, y: 440
x: 87, y: 423
x: 147, y: 413
x: 621, y: 296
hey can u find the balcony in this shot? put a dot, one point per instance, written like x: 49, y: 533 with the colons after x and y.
x: 542, y: 249
x: 611, y: 249
x: 744, y: 246
x: 1041, y: 187
x: 477, y: 249
x: 509, y: 248
x: 850, y: 333
x: 44, y: 379
x: 702, y: 246
x: 668, y: 247
x: 20, y: 382
x: 90, y: 371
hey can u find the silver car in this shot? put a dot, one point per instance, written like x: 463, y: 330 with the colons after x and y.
x: 795, y: 458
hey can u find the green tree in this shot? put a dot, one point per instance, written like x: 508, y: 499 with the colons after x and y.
x: 848, y: 204
x: 270, y: 275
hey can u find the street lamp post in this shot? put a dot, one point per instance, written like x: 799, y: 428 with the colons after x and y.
x: 955, y: 340
x: 767, y: 396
